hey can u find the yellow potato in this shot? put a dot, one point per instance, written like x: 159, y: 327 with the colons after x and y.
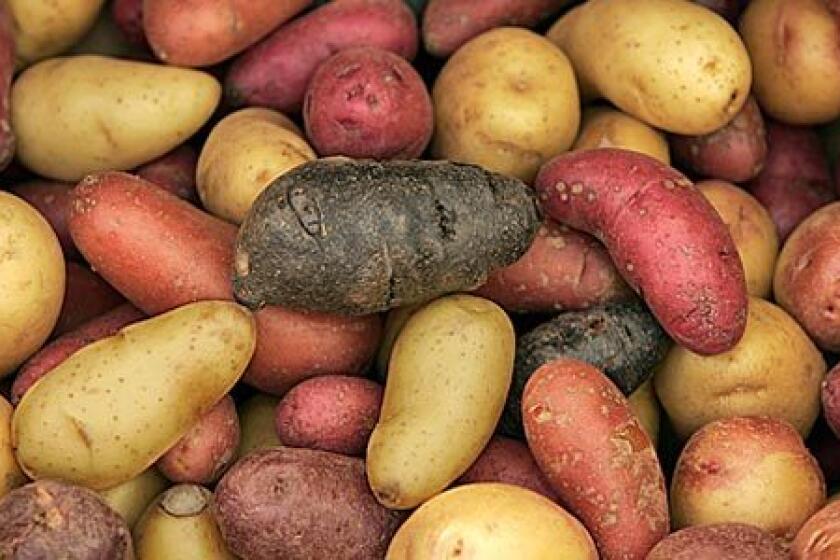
x: 267, y: 146
x: 644, y: 405
x: 10, y: 474
x: 81, y: 114
x: 775, y: 370
x: 32, y: 276
x: 608, y: 128
x: 448, y: 377
x: 131, y: 498
x: 491, y: 521
x: 45, y: 28
x: 256, y: 424
x: 394, y: 322
x: 113, y: 408
x: 507, y: 100
x: 673, y: 64
x: 751, y: 228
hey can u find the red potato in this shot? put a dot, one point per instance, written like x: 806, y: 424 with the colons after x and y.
x: 831, y: 399
x: 205, y: 32
x: 275, y: 72
x: 819, y: 537
x: 162, y: 252
x: 722, y: 541
x: 365, y: 102
x: 174, y: 172
x: 331, y: 413
x: 597, y: 457
x: 508, y: 461
x: 52, y: 200
x: 448, y: 24
x: 664, y: 237
x: 7, y: 70
x: 54, y: 353
x: 203, y: 454
x: 128, y: 16
x: 563, y: 269
x: 86, y: 296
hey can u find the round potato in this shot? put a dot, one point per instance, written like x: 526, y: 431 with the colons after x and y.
x: 491, y: 521
x: 775, y: 370
x: 45, y: 28
x: 723, y: 541
x: 508, y: 101
x: 645, y: 407
x: 131, y: 498
x: 10, y: 474
x: 608, y: 128
x: 267, y: 145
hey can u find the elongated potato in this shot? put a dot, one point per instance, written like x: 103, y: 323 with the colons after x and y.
x: 131, y: 498
x: 608, y: 128
x: 108, y: 412
x: 76, y: 115
x: 256, y: 424
x: 10, y: 474
x: 45, y: 28
x: 671, y: 63
x: 448, y: 377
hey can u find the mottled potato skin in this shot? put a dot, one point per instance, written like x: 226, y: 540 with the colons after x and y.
x: 491, y: 521
x: 508, y: 461
x: 722, y: 541
x: 131, y: 498
x: 608, y: 128
x: 507, y: 101
x: 752, y: 470
x: 45, y: 28
x: 819, y: 537
x: 10, y: 474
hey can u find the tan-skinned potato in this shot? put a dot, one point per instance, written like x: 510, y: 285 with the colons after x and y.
x: 10, y: 474
x: 45, y: 28
x: 603, y: 127
x: 131, y: 498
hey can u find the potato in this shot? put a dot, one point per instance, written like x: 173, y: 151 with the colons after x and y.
x: 775, y: 370
x: 80, y: 114
x: 106, y: 38
x: 395, y: 320
x: 10, y: 474
x: 92, y: 421
x: 722, y: 541
x: 792, y: 45
x: 180, y: 524
x: 131, y: 498
x: 86, y: 296
x: 830, y: 398
x: 256, y: 424
x: 752, y: 229
x: 128, y: 16
x: 508, y: 461
x: 268, y: 145
x: 752, y: 470
x: 32, y: 277
x: 596, y: 456
x: 492, y: 522
x: 507, y: 101
x: 730, y: 9
x: 448, y: 377
x: 645, y: 407
x: 665, y: 238
x: 174, y: 172
x: 608, y: 128
x: 51, y: 519
x: 805, y: 281
x: 670, y: 63
x: 7, y: 69
x: 819, y: 537
x: 205, y: 32
x: 45, y: 28
x: 203, y: 454
x: 426, y: 228
x: 301, y: 504
x: 52, y: 200
x: 365, y: 102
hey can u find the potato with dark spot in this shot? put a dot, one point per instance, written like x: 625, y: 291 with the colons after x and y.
x: 86, y: 296
x: 508, y: 461
x: 723, y: 541
x: 819, y: 537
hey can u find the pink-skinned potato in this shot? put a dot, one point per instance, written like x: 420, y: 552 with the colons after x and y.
x: 128, y: 16
x: 721, y: 541
x: 86, y: 296
x: 831, y: 399
x: 174, y: 172
x: 819, y: 537
x: 52, y: 200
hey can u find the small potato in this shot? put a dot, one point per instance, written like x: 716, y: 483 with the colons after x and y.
x: 131, y: 498
x: 752, y: 470
x: 752, y: 230
x: 723, y: 541
x: 775, y: 370
x: 10, y: 474
x: 86, y: 296
x: 831, y: 399
x: 493, y: 522
x: 608, y: 128
x: 508, y: 461
x: 507, y: 101
x: 80, y: 114
x: 645, y: 407
x: 45, y: 28
x: 256, y: 424
x: 819, y: 537
x: 106, y: 38
x: 52, y: 200
x: 268, y: 144
x: 128, y: 16
x: 174, y: 172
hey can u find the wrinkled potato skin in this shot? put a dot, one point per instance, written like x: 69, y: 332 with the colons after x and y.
x: 507, y: 101
x: 608, y: 128
x: 10, y: 474
x: 131, y: 498
x: 819, y: 537
x: 45, y: 28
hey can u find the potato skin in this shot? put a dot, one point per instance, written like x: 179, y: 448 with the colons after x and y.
x: 86, y: 296
x: 81, y: 525
x: 52, y: 200
x: 46, y: 28
x: 665, y: 238
x: 256, y: 424
x: 174, y: 172
x: 131, y: 498
x: 830, y: 399
x: 582, y: 434
x: 7, y: 69
x: 275, y: 72
x: 729, y: 9
x: 722, y: 541
x: 271, y: 495
x: 10, y: 474
x: 128, y: 16
x: 607, y: 128
x: 524, y: 525
x: 507, y: 101
x: 752, y: 470
x: 819, y: 537
x: 508, y: 461
x: 645, y: 406
x: 365, y: 102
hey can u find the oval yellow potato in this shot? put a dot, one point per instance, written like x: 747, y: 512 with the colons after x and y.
x: 131, y: 498
x: 113, y: 408
x: 507, y: 100
x: 608, y: 128
x: 256, y: 424
x: 674, y: 64
x: 491, y: 521
x: 267, y: 144
x: 448, y: 378
x: 775, y: 370
x: 644, y: 405
x: 81, y: 114
x: 10, y: 474
x: 32, y: 277
x: 44, y: 28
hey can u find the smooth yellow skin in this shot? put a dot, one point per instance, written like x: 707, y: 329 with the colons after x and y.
x: 131, y: 498
x: 44, y: 28
x: 775, y: 370
x: 32, y: 281
x: 673, y: 64
x: 10, y: 474
x: 267, y: 146
x: 645, y: 407
x: 113, y: 408
x: 491, y: 521
x: 394, y: 322
x: 256, y: 424
x: 752, y: 230
x: 793, y: 48
x: 448, y: 379
x: 508, y: 101
x: 81, y: 114
x: 608, y: 128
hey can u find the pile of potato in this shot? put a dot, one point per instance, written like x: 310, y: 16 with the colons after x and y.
x: 419, y: 280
